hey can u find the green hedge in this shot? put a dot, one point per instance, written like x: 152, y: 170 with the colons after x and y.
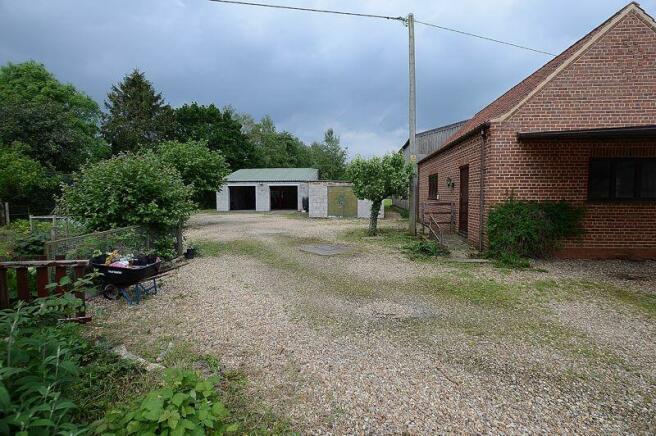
x: 531, y: 229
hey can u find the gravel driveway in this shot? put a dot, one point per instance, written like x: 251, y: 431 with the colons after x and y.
x: 372, y: 342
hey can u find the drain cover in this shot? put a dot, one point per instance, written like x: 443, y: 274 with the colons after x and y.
x: 325, y: 249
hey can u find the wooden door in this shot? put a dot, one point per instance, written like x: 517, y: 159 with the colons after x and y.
x: 342, y: 202
x: 463, y: 215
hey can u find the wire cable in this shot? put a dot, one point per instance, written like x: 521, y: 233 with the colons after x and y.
x: 486, y: 38
x: 383, y: 17
x: 323, y: 11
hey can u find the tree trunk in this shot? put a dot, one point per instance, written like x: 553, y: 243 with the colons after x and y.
x: 373, y: 220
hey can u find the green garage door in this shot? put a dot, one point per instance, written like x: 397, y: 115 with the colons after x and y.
x: 342, y: 201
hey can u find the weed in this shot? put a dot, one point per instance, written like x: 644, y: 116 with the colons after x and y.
x: 424, y: 249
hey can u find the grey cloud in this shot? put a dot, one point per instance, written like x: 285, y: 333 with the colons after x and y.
x: 309, y: 72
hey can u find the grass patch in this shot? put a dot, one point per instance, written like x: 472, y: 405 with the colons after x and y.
x: 575, y: 288
x: 477, y: 291
x: 107, y: 380
x: 403, y: 212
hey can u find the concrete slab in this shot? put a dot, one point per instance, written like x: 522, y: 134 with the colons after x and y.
x: 325, y: 249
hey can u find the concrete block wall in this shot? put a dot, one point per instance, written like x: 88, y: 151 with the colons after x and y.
x: 223, y: 199
x: 318, y: 192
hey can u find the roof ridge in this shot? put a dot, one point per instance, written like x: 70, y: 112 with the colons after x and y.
x: 541, y: 76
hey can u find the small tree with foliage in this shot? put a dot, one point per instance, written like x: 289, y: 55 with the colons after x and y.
x: 329, y: 157
x: 201, y: 168
x: 378, y: 178
x: 128, y: 189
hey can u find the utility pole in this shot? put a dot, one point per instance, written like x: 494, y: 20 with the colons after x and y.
x: 412, y: 192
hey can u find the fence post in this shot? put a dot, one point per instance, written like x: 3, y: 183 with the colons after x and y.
x: 7, y: 219
x: 178, y: 240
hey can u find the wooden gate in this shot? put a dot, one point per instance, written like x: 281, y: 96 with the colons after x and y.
x: 342, y: 202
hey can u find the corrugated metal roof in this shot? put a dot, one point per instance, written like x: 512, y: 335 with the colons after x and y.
x: 274, y: 175
x: 431, y: 140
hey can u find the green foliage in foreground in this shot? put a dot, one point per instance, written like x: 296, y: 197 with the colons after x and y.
x: 378, y: 178
x: 38, y: 364
x: 185, y: 405
x: 128, y: 189
x: 520, y: 229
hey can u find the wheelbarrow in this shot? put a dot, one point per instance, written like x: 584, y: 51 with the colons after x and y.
x: 116, y: 280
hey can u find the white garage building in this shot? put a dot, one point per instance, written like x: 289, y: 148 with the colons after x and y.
x: 265, y: 189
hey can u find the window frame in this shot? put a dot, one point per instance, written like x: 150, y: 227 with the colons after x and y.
x: 637, y: 182
x: 436, y: 186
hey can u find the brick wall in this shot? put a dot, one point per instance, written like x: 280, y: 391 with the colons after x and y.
x: 447, y: 165
x: 612, y: 84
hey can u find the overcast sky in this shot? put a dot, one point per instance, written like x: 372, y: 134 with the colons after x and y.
x: 308, y: 71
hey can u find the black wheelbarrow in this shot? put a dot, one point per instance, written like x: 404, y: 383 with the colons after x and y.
x: 116, y: 280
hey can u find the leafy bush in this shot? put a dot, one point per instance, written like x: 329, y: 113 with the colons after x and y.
x: 201, y: 168
x: 37, y: 364
x: 128, y: 189
x: 29, y: 246
x: 531, y: 229
x: 425, y: 249
x: 185, y: 405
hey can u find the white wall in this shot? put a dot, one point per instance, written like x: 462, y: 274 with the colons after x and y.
x: 364, y: 209
x: 223, y: 199
x: 318, y: 200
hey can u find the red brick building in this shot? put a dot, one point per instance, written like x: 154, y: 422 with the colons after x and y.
x: 582, y: 129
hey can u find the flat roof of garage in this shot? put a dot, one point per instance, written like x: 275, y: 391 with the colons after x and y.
x: 274, y: 175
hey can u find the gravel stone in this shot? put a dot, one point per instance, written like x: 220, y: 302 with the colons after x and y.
x: 346, y: 345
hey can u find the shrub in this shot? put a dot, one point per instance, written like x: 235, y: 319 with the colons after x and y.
x: 125, y: 190
x: 185, y: 405
x: 37, y: 364
x: 29, y: 246
x: 531, y: 229
x: 425, y: 249
x: 201, y: 168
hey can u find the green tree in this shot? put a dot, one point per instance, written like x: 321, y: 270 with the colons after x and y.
x: 24, y: 180
x: 137, y: 116
x: 128, y: 189
x: 201, y: 168
x: 58, y: 124
x: 220, y: 129
x: 329, y: 157
x: 379, y: 178
x: 277, y: 149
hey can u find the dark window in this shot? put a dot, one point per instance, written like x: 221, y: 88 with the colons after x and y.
x: 432, y: 187
x: 648, y: 179
x: 622, y: 179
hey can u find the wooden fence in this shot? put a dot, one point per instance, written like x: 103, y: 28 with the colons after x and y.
x: 46, y: 270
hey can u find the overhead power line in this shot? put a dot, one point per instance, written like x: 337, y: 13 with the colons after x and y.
x: 383, y: 17
x: 323, y: 11
x: 487, y: 38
